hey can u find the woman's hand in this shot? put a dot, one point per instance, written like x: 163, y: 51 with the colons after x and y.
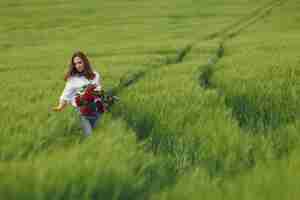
x: 57, y: 108
x: 60, y: 107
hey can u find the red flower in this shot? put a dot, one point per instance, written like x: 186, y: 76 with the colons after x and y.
x: 78, y: 100
x: 90, y: 89
x: 100, y: 106
x: 90, y: 102
x: 87, y: 111
x: 88, y: 97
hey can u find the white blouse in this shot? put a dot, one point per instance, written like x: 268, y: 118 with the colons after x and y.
x: 73, y: 86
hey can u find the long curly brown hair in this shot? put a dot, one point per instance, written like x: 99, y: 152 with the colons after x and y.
x: 72, y: 71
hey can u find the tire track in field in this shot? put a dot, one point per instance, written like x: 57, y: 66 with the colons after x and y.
x: 260, y: 15
x: 225, y: 34
x: 133, y: 78
x: 244, y: 22
x: 145, y: 124
x: 239, y: 105
x: 142, y: 127
x: 208, y: 70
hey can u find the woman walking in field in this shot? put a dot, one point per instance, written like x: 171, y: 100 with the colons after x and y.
x: 81, y: 89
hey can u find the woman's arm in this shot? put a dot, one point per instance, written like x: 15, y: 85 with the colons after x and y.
x: 65, y: 97
x: 98, y: 81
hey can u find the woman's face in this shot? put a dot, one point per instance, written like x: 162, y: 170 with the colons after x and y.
x: 78, y: 63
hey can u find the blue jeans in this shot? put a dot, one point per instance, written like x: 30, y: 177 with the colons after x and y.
x: 88, y: 123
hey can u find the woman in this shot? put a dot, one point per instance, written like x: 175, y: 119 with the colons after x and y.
x: 79, y: 76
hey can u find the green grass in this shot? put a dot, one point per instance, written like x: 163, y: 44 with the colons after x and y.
x: 275, y: 179
x: 194, y: 123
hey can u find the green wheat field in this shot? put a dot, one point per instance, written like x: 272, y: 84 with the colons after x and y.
x: 209, y: 100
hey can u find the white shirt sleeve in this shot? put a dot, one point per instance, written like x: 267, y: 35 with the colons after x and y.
x: 98, y: 81
x: 68, y: 92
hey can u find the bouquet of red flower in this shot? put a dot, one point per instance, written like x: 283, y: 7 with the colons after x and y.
x: 89, y: 101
